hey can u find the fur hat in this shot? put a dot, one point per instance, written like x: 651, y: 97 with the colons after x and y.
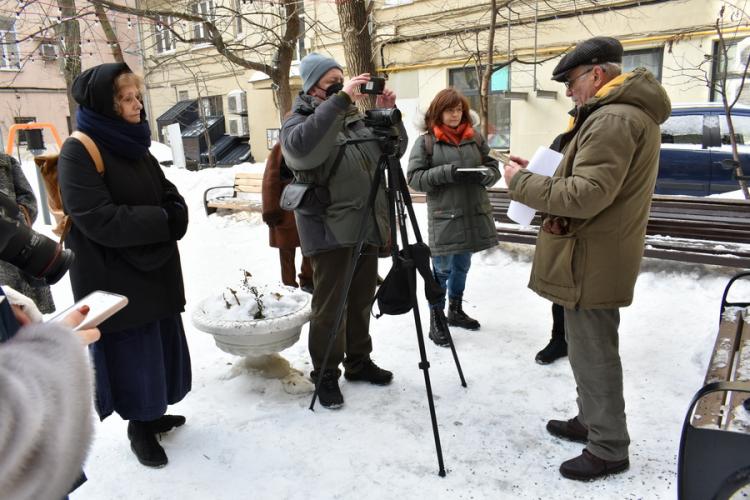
x: 312, y: 68
x: 597, y: 50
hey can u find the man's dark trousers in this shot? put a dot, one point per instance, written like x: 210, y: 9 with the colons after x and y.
x: 353, y: 337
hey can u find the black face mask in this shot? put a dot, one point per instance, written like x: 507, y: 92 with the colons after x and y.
x: 334, y: 88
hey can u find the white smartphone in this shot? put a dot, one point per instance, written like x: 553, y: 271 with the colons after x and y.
x: 481, y: 170
x: 101, y: 304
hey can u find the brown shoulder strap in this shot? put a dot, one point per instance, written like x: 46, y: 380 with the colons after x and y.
x: 93, y: 151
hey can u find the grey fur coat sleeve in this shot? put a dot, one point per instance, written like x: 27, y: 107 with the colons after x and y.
x: 45, y: 412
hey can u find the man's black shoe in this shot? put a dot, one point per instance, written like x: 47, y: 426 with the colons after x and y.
x: 457, y: 316
x: 556, y: 349
x: 572, y: 430
x: 439, y: 332
x: 586, y: 467
x: 370, y: 372
x: 143, y: 443
x: 329, y: 393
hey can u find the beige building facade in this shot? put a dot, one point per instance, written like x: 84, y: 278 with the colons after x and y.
x: 424, y: 46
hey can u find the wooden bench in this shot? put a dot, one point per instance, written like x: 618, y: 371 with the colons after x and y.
x: 687, y: 229
x: 715, y: 443
x: 244, y: 195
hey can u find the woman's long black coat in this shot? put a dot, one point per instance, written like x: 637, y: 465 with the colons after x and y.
x: 120, y: 234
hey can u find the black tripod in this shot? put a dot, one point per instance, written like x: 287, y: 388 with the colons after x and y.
x: 412, y: 258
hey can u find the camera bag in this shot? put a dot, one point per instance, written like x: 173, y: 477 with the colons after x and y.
x: 309, y: 198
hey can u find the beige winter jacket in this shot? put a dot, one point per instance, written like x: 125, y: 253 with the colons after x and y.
x: 603, y: 186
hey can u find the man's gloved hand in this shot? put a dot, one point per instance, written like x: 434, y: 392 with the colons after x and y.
x: 177, y: 219
x: 463, y: 177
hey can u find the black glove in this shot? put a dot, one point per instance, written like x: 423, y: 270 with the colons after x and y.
x: 463, y: 177
x: 177, y: 219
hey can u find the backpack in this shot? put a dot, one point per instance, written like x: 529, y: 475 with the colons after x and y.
x: 48, y: 167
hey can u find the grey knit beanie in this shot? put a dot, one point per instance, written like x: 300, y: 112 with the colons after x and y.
x: 312, y: 68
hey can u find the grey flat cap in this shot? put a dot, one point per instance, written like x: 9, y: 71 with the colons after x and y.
x: 597, y: 50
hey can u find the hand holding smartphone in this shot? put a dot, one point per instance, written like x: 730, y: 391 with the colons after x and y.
x: 102, y: 305
x: 375, y: 86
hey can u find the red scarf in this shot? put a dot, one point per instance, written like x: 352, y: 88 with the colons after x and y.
x: 454, y: 136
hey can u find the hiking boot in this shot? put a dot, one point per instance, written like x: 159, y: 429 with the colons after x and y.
x: 457, y: 316
x: 587, y: 466
x: 143, y: 443
x: 572, y: 430
x: 556, y: 349
x: 370, y: 372
x: 166, y: 423
x: 329, y: 393
x: 439, y: 332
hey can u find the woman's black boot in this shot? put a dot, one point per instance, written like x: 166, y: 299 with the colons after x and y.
x: 144, y: 444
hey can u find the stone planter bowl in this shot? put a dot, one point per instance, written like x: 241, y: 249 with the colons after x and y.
x: 255, y: 337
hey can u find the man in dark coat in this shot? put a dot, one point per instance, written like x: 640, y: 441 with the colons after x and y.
x: 282, y: 228
x: 313, y: 140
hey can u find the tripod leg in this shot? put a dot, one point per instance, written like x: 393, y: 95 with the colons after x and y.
x: 424, y: 365
x: 455, y: 355
x: 348, y: 280
x: 421, y: 255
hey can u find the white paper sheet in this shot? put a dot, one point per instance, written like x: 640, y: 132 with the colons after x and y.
x: 544, y: 162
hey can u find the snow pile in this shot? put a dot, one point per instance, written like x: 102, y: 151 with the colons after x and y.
x: 234, y: 305
x: 247, y: 436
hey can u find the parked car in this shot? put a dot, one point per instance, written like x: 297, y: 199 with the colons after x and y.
x: 694, y: 141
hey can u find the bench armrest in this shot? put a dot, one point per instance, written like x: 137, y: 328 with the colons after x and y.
x: 724, y: 302
x: 205, y: 197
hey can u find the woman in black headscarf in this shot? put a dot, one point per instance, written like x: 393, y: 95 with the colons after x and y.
x: 126, y: 223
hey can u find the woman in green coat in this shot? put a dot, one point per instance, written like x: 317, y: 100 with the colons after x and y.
x: 451, y: 163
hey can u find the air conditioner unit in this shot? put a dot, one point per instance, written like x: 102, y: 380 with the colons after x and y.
x: 237, y: 102
x: 47, y: 51
x: 238, y: 126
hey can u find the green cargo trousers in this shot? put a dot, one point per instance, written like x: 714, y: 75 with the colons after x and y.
x: 593, y: 351
x: 353, y: 336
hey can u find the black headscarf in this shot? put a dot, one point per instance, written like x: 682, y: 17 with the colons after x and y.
x: 94, y: 90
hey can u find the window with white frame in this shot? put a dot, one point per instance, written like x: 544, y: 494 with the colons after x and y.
x: 465, y: 81
x: 8, y: 44
x: 207, y: 11
x: 651, y: 59
x: 165, y: 39
x: 732, y: 67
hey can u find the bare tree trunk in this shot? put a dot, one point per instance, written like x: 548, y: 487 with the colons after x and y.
x: 484, y: 90
x: 355, y: 33
x: 109, y: 33
x: 724, y: 73
x: 69, y: 38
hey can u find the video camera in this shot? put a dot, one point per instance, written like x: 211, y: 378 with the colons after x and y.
x: 382, y: 118
x: 33, y: 253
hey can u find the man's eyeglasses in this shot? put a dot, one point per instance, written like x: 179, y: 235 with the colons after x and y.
x: 569, y: 83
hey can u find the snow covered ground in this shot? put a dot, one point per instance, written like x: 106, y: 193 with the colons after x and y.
x: 246, y: 437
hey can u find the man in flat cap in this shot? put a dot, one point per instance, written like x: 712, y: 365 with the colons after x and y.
x: 589, y: 248
x: 313, y: 141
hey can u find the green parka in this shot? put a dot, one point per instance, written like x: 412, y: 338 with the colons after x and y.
x: 311, y: 138
x: 603, y: 186
x: 459, y: 216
